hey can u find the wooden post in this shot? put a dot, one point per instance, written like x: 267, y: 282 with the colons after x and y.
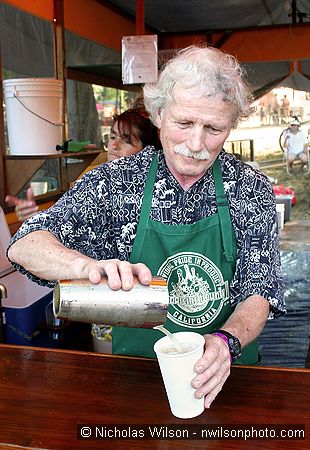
x: 140, y: 25
x: 60, y: 54
x: 2, y: 145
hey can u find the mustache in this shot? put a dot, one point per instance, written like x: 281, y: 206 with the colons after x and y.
x: 183, y: 150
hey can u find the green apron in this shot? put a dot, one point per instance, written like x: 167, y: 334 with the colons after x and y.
x: 197, y: 260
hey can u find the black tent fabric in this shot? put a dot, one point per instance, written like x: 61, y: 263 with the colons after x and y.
x: 297, y: 81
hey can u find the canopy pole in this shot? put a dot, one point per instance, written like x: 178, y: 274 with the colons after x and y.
x: 295, y: 66
x: 140, y: 27
x: 294, y: 12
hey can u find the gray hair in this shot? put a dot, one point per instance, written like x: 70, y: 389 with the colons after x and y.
x: 210, y: 71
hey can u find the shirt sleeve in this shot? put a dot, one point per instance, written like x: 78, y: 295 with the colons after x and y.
x: 78, y: 219
x: 258, y: 265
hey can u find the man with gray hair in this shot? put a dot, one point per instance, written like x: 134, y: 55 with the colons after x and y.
x: 190, y: 212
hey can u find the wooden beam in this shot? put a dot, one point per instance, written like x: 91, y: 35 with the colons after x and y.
x: 289, y: 42
x: 88, y: 77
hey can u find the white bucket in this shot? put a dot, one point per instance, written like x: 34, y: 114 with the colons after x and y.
x: 34, y: 115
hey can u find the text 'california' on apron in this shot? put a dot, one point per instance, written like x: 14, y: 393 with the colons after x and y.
x: 197, y: 260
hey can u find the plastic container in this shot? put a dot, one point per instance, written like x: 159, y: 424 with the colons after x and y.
x: 280, y: 212
x: 102, y: 338
x: 287, y: 201
x: 23, y: 309
x: 34, y: 115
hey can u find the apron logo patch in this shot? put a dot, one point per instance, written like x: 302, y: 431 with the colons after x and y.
x: 197, y: 290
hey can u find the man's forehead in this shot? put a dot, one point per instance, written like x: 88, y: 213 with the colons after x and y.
x: 204, y: 108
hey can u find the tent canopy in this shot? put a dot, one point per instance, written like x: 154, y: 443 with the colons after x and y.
x: 267, y: 36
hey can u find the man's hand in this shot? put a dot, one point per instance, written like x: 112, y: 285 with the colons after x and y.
x: 120, y: 274
x: 213, y: 369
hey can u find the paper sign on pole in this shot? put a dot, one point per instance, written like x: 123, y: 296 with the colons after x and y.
x: 139, y: 59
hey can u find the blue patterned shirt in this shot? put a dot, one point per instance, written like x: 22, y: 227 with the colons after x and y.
x: 99, y: 215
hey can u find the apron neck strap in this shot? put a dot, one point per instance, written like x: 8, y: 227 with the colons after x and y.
x: 223, y: 212
x: 145, y: 211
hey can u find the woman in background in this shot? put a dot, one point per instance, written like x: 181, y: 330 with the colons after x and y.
x: 131, y: 131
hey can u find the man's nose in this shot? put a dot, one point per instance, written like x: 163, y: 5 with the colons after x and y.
x: 196, y: 141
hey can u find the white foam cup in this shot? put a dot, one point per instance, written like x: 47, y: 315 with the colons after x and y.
x: 177, y: 371
x: 39, y: 187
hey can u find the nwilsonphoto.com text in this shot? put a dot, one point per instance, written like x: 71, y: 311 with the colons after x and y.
x: 192, y: 432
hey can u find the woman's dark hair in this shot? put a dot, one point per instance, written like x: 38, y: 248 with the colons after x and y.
x: 136, y: 123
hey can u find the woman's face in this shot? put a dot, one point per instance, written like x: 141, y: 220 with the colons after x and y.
x: 119, y: 146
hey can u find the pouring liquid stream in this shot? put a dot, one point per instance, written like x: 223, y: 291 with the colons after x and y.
x: 178, y: 345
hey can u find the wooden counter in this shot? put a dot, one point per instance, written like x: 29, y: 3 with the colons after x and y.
x: 45, y: 394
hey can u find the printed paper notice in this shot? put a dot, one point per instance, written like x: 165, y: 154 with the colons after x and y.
x: 139, y: 59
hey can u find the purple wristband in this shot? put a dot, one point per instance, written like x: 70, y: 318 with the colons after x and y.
x: 225, y: 339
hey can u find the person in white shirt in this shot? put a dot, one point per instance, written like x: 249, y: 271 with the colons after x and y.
x: 296, y: 145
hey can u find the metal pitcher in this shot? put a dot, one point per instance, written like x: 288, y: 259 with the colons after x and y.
x: 141, y: 307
